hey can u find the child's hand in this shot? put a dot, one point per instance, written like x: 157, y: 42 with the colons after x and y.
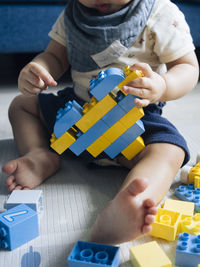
x: 149, y: 88
x: 34, y: 78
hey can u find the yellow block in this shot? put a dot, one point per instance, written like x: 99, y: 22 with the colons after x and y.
x: 166, y: 224
x: 190, y: 224
x: 196, y: 181
x: 98, y: 146
x: 183, y: 207
x: 94, y: 111
x: 62, y: 143
x: 134, y: 148
x: 131, y: 117
x: 149, y: 255
x: 132, y: 76
x: 195, y: 171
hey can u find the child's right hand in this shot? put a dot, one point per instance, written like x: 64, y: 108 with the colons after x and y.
x: 34, y: 78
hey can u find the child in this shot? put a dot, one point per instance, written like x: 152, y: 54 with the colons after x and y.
x: 90, y: 35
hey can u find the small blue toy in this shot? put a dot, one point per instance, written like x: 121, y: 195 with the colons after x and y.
x: 188, y: 250
x: 18, y: 226
x: 90, y: 254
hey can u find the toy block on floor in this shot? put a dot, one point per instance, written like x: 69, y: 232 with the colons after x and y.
x: 194, y: 172
x: 166, y: 224
x: 188, y: 193
x: 149, y: 255
x: 88, y: 254
x: 190, y: 224
x: 188, y: 250
x: 32, y: 198
x: 18, y: 226
x: 184, y: 207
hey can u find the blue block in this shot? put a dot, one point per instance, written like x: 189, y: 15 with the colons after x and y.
x: 125, y: 139
x: 189, y: 193
x: 90, y: 254
x: 67, y: 117
x: 18, y: 226
x: 106, y: 82
x: 188, y: 250
x: 87, y: 138
x: 113, y: 116
x: 127, y: 102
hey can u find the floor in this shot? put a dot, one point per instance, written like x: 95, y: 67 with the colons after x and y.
x: 74, y: 196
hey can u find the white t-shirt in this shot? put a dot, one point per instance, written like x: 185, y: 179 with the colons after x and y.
x: 165, y: 38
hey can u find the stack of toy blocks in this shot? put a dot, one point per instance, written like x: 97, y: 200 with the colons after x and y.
x: 92, y: 254
x: 110, y: 122
x: 19, y: 224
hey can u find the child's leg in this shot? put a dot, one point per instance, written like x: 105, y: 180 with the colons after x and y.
x: 37, y: 162
x: 131, y: 212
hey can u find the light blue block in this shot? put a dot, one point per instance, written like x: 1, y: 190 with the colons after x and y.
x: 106, y: 82
x: 87, y: 138
x: 88, y: 254
x: 67, y: 117
x: 32, y: 198
x: 127, y: 102
x: 18, y: 226
x: 125, y: 139
x: 188, y: 250
x: 189, y: 193
x: 113, y: 116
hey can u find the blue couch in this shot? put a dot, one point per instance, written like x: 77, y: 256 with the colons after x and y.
x: 24, y: 25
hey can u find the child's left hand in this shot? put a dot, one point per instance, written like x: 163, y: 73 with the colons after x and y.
x: 149, y: 88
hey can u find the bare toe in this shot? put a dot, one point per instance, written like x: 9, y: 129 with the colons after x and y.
x: 148, y: 203
x: 137, y: 186
x: 10, y: 167
x: 12, y: 186
x: 152, y: 211
x: 149, y: 219
x: 146, y: 229
x: 9, y: 181
x: 18, y: 187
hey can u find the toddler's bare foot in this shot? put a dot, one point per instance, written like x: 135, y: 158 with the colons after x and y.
x: 31, y: 170
x: 126, y: 217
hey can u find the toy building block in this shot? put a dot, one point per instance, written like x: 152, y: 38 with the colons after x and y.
x: 134, y: 148
x: 67, y: 117
x: 191, y: 175
x: 32, y: 198
x: 166, y: 224
x: 131, y: 75
x: 184, y: 207
x: 188, y: 250
x: 92, y: 254
x: 125, y: 139
x: 18, y: 226
x: 190, y: 224
x: 188, y: 193
x: 64, y: 142
x: 105, y: 82
x: 149, y: 255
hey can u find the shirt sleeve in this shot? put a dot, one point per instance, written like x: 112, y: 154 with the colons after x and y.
x: 171, y: 33
x: 58, y: 31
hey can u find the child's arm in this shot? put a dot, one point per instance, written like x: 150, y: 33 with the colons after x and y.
x: 181, y: 77
x: 43, y: 69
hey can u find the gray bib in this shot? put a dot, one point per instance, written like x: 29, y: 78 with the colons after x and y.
x: 88, y: 33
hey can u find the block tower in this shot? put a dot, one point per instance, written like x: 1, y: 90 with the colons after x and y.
x: 110, y: 122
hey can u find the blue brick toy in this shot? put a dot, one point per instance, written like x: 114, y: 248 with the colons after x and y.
x: 188, y: 250
x: 188, y: 193
x: 18, y: 226
x: 90, y: 254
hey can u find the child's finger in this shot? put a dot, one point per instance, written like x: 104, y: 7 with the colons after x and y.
x: 140, y: 92
x: 144, y: 67
x: 43, y: 74
x: 36, y: 81
x: 141, y: 103
x: 31, y: 89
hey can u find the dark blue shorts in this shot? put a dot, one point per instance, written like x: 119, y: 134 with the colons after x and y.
x: 157, y: 128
